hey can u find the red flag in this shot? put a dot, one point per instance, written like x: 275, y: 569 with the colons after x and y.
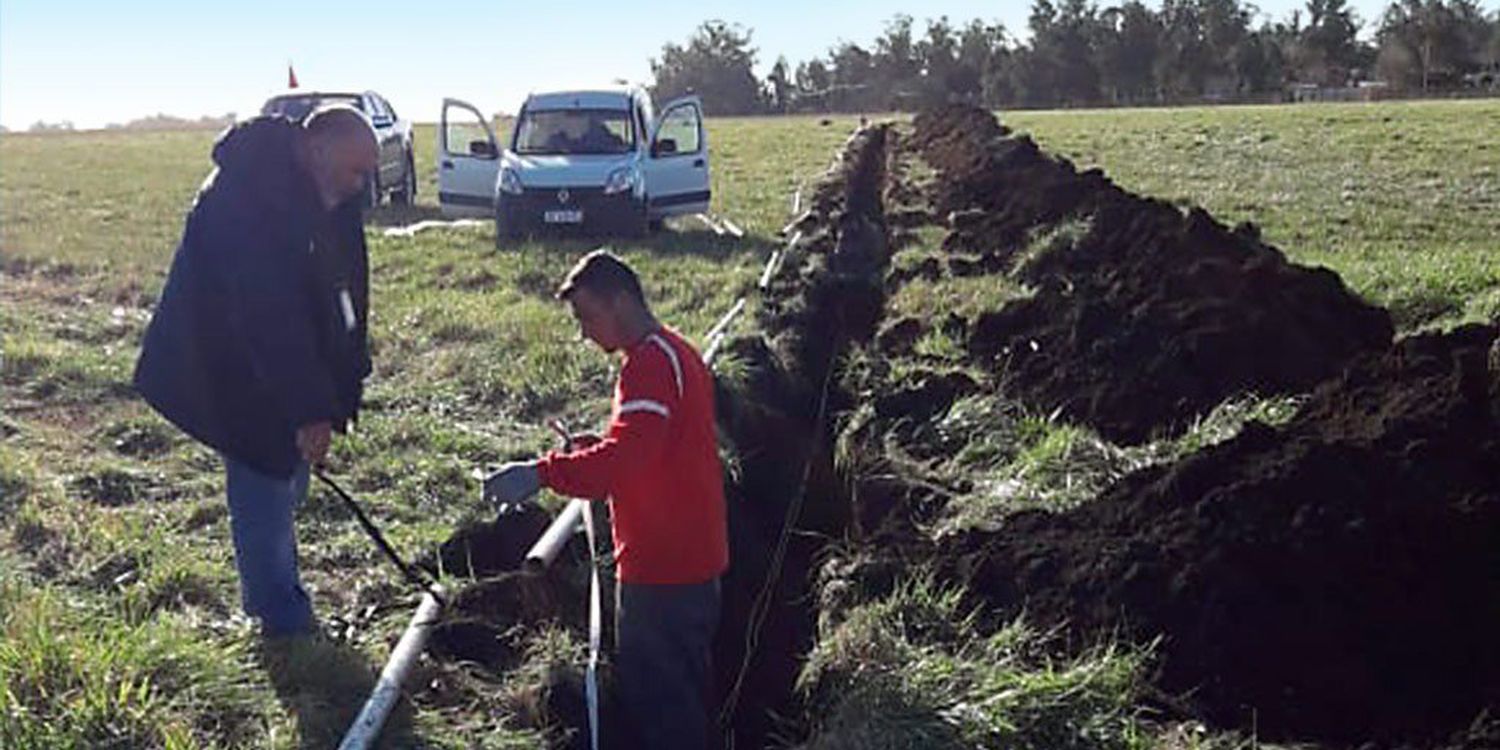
x: 291, y: 77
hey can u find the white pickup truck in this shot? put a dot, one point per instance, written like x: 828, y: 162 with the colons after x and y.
x: 597, y: 161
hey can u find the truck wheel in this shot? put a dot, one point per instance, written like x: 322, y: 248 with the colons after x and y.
x: 407, y: 194
x: 372, y: 192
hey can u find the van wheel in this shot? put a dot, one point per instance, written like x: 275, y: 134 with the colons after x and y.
x: 506, y: 236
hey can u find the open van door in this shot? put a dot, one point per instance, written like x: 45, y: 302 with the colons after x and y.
x: 676, y: 168
x: 468, y: 161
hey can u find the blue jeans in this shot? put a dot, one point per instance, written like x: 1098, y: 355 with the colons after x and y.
x: 265, y: 547
x: 663, y: 634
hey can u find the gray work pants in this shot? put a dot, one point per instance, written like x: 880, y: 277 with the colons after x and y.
x: 663, y: 634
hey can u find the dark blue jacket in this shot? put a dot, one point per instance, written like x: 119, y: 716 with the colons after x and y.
x: 261, y: 327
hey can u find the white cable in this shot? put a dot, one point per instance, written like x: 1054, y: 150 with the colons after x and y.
x: 596, y: 627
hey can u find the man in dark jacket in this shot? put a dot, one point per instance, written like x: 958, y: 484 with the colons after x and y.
x: 258, y: 345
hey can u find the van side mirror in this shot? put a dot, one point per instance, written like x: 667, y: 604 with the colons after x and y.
x: 482, y: 149
x: 664, y: 146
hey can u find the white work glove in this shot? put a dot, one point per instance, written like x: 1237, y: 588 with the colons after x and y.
x: 513, y: 484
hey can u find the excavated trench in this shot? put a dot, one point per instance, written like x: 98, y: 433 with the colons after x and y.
x: 784, y: 497
x: 1335, y: 579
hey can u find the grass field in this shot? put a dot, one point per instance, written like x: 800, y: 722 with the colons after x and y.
x: 118, y: 603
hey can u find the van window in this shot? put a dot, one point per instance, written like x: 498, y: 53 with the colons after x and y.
x: 681, y: 125
x: 575, y: 131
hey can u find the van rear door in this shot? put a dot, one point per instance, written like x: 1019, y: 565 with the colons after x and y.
x: 468, y: 161
x: 676, y: 167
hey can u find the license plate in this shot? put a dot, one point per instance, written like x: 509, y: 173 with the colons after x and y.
x: 563, y: 217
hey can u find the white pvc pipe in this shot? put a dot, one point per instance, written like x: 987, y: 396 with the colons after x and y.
x: 718, y: 329
x: 552, y: 541
x: 366, y: 728
x: 596, y: 631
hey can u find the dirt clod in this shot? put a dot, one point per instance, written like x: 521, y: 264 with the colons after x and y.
x: 1336, y: 579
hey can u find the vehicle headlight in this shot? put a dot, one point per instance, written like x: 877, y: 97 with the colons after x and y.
x: 620, y: 180
x: 510, y: 182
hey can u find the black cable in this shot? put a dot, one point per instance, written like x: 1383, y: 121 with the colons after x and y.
x: 414, y: 575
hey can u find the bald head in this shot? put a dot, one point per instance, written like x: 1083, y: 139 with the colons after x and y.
x: 342, y: 152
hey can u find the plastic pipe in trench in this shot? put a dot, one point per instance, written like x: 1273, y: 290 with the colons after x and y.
x: 366, y: 727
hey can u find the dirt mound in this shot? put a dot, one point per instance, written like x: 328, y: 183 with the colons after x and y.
x: 487, y: 548
x: 486, y: 621
x: 1143, y: 317
x: 1336, y: 579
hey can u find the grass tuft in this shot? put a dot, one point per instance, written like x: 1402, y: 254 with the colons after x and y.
x: 910, y: 670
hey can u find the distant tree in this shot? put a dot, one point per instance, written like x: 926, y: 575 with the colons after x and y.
x: 1129, y: 53
x: 894, y: 65
x: 853, y: 72
x: 984, y: 50
x: 811, y: 83
x: 1261, y: 62
x: 943, y: 76
x: 1185, y: 62
x: 1058, y: 66
x: 1130, y: 41
x: 1494, y: 45
x: 1431, y: 44
x: 1228, y: 46
x: 1327, y: 50
x: 718, y: 63
x: 779, y: 86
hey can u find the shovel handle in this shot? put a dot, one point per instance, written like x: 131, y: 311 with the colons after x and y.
x: 562, y: 432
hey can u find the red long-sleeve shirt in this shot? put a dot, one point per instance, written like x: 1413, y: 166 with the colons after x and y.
x: 658, y: 464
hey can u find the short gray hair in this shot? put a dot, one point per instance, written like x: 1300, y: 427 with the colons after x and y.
x: 337, y: 122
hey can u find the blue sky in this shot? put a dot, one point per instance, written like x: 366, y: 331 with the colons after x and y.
x: 95, y: 62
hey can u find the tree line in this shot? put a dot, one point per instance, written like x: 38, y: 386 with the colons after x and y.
x: 1079, y: 53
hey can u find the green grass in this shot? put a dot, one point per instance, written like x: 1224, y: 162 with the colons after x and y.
x: 72, y: 675
x: 913, y: 670
x: 1024, y: 461
x: 118, y: 522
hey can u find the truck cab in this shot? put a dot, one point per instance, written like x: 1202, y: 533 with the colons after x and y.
x: 601, y: 161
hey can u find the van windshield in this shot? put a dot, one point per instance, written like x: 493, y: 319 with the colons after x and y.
x: 575, y: 131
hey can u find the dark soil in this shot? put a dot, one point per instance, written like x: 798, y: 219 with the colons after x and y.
x: 1149, y: 317
x: 828, y: 296
x: 480, y: 623
x: 1337, y: 579
x: 487, y: 548
x: 487, y: 620
x: 114, y: 486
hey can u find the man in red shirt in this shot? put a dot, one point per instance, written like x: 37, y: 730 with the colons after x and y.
x: 658, y: 467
